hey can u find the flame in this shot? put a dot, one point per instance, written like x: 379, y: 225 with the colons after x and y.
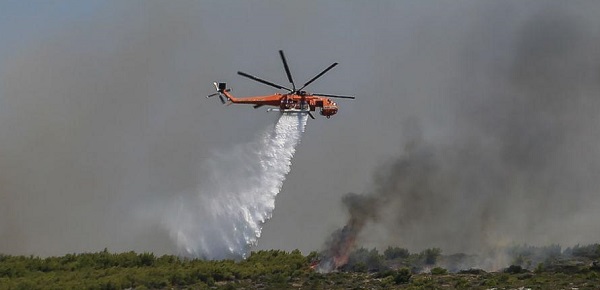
x: 342, y: 251
x: 337, y: 250
x: 314, y: 265
x: 342, y: 243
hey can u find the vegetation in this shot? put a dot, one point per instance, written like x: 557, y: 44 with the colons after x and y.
x: 396, y: 268
x: 439, y: 271
x: 395, y: 252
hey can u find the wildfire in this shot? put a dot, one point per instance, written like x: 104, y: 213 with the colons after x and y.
x: 341, y: 244
x: 342, y: 241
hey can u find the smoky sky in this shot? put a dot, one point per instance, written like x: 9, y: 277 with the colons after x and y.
x: 103, y: 119
x: 518, y: 160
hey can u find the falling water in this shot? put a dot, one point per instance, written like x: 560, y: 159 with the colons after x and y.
x: 225, y: 214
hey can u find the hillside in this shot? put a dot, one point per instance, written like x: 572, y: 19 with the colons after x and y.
x: 274, y: 269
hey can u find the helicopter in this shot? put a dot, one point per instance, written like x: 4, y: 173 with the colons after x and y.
x: 294, y: 100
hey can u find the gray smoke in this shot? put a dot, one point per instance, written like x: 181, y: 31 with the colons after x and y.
x: 103, y: 120
x: 517, y: 161
x: 103, y: 123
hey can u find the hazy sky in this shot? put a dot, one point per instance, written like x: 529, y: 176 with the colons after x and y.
x: 103, y: 116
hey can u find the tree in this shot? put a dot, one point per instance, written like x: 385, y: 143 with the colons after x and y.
x: 431, y: 255
x: 395, y: 252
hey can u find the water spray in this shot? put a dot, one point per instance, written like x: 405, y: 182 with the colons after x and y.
x: 225, y: 214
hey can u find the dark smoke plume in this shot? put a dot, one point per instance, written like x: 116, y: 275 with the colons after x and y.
x: 519, y: 162
x: 409, y: 175
x: 361, y: 209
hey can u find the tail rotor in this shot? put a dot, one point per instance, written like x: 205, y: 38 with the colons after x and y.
x: 220, y: 87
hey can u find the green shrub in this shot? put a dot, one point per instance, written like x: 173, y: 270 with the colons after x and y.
x: 439, y: 271
x: 461, y: 283
x: 514, y: 269
x: 403, y: 276
x: 540, y: 268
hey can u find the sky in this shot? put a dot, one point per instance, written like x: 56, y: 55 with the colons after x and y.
x: 103, y: 117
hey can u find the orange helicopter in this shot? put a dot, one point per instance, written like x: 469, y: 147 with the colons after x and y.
x: 295, y: 101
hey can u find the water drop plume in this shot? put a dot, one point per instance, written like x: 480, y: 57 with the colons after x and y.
x: 224, y: 216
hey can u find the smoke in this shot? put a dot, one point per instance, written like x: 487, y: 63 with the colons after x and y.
x: 103, y: 120
x: 236, y: 194
x: 516, y: 161
x: 361, y: 209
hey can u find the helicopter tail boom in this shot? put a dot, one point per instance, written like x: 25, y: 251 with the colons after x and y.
x: 223, y: 93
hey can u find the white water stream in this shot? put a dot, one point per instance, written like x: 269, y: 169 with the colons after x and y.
x: 225, y: 215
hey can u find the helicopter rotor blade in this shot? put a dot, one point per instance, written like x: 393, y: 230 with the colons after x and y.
x: 287, y: 70
x: 318, y: 76
x: 217, y: 94
x: 335, y: 96
x: 263, y: 81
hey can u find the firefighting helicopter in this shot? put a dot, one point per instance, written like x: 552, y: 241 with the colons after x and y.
x: 294, y: 101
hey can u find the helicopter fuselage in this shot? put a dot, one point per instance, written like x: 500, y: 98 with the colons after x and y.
x: 290, y: 102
